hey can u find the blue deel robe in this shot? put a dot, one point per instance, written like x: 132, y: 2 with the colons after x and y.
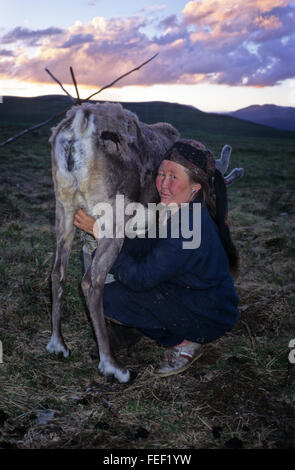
x: 171, y: 293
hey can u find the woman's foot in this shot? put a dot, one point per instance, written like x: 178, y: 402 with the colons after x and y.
x: 179, y: 358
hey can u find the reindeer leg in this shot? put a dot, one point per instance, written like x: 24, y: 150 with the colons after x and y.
x: 92, y: 285
x: 65, y: 232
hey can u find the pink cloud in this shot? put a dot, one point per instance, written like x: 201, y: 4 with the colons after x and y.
x: 271, y: 22
x: 229, y: 41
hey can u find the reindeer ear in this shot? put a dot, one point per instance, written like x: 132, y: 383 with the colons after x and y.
x: 81, y: 121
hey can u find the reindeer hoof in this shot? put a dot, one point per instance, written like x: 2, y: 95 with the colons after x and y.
x: 56, y: 347
x: 110, y: 378
x: 107, y: 369
x: 62, y: 355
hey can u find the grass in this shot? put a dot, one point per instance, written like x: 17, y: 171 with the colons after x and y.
x: 240, y: 393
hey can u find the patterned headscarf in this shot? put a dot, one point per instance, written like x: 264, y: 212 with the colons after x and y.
x: 192, y: 154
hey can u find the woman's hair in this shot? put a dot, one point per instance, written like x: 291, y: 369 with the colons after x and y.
x: 205, y: 195
x: 206, y: 190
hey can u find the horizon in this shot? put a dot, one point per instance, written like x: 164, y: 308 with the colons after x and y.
x: 217, y: 60
x: 149, y: 101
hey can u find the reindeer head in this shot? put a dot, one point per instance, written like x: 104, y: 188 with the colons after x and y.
x: 96, y: 131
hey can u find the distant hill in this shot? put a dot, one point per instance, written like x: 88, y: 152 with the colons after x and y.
x: 187, y: 119
x: 280, y: 117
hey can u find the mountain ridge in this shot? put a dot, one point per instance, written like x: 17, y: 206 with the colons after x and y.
x: 27, y: 111
x: 278, y: 117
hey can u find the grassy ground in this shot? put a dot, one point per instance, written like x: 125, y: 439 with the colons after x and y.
x: 238, y: 394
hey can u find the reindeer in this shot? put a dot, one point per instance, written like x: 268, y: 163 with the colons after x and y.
x: 99, y: 151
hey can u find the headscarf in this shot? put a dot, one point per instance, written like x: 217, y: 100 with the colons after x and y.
x: 192, y: 154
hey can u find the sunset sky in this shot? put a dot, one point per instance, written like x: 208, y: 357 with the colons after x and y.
x: 217, y: 55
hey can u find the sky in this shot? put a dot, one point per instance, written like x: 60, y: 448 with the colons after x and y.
x: 216, y: 55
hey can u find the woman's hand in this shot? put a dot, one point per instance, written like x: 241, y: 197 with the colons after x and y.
x: 84, y: 221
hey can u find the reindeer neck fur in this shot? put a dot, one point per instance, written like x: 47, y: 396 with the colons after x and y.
x: 100, y: 150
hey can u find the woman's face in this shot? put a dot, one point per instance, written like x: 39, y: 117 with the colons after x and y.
x: 173, y: 184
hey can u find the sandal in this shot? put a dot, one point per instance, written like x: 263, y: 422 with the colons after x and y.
x: 178, y: 358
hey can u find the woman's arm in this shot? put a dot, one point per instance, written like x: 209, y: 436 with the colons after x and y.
x: 165, y: 261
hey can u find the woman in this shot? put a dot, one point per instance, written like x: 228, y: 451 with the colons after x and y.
x: 182, y: 298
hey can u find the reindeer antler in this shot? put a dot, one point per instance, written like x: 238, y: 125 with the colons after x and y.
x: 60, y: 84
x: 30, y: 129
x: 222, y: 165
x: 78, y: 100
x: 122, y: 76
x: 75, y: 84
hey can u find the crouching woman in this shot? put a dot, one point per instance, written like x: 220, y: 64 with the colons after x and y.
x: 181, y: 297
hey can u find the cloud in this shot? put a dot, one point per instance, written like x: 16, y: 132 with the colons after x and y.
x: 4, y: 65
x: 270, y: 22
x: 151, y: 9
x: 6, y: 52
x: 168, y: 22
x: 27, y: 35
x: 92, y: 2
x: 231, y: 42
x: 78, y: 39
x: 228, y: 28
